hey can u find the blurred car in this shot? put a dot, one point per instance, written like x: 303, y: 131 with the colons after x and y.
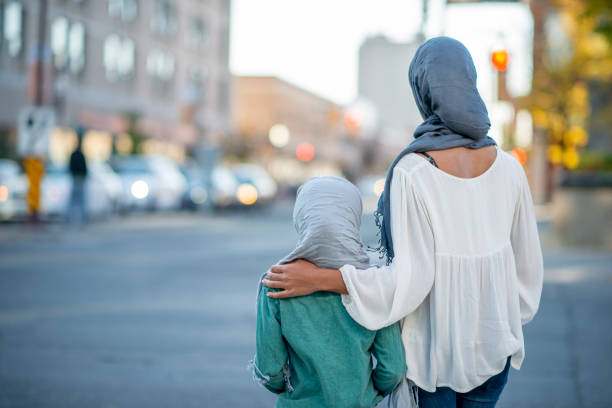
x: 138, y: 182
x: 150, y: 182
x: 255, y: 184
x: 171, y: 184
x: 104, y: 174
x: 224, y: 187
x: 197, y: 192
x: 57, y: 189
x: 13, y: 188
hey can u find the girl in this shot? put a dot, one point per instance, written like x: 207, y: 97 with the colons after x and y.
x: 309, y: 350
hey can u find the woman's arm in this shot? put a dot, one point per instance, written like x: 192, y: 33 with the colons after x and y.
x: 527, y: 253
x: 378, y: 296
x: 300, y: 278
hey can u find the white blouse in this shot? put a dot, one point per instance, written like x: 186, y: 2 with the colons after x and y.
x: 467, y: 272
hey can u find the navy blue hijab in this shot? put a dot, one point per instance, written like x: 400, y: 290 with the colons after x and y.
x: 443, y: 81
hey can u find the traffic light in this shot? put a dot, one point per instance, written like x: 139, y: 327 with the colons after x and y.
x: 305, y: 152
x: 499, y: 59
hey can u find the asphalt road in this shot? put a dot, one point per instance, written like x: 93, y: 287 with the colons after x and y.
x: 158, y: 311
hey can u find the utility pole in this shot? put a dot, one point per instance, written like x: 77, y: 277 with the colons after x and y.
x: 42, y: 34
x: 541, y: 170
x: 32, y: 161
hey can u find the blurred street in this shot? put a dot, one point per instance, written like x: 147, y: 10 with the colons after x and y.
x: 158, y: 311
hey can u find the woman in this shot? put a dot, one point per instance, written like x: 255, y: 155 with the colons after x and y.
x: 464, y: 265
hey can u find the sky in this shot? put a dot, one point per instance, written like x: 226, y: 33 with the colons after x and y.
x: 314, y: 44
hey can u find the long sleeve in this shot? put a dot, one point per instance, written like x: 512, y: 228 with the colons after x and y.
x: 271, y: 355
x: 380, y: 296
x: 527, y: 253
x: 390, y: 359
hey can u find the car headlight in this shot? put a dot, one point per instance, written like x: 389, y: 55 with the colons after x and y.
x: 4, y: 193
x: 198, y: 195
x: 139, y: 189
x: 246, y: 194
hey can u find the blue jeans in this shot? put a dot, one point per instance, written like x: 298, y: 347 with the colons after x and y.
x: 78, y: 199
x: 483, y: 396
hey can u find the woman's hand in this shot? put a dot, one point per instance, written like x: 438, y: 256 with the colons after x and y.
x: 297, y: 278
x: 300, y: 278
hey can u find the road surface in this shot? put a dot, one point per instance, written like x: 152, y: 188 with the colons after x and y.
x: 158, y: 311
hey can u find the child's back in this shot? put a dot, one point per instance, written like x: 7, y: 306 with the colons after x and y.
x: 329, y: 355
x: 309, y: 350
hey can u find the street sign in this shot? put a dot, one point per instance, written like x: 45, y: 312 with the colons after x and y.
x: 34, y: 125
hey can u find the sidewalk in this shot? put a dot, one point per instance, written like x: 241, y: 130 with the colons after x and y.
x: 569, y: 342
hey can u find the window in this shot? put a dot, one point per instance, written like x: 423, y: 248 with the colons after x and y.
x: 164, y: 20
x: 125, y: 10
x: 161, y: 65
x: 119, y: 58
x: 59, y: 42
x: 68, y: 45
x: 13, y: 27
x: 76, y: 48
x: 197, y: 35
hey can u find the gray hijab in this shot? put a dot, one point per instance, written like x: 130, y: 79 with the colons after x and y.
x: 327, y: 218
x: 443, y: 81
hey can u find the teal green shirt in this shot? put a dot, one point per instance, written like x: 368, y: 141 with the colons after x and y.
x: 313, y: 354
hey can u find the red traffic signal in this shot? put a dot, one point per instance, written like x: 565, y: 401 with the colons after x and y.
x: 499, y: 59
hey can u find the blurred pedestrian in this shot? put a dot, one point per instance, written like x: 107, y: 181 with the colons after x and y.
x: 78, y: 173
x: 309, y: 350
x: 457, y: 225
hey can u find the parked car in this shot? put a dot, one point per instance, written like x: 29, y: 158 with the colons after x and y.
x: 138, y: 182
x: 57, y: 188
x: 197, y: 194
x: 13, y: 189
x: 104, y: 174
x: 224, y: 187
x: 150, y: 182
x: 258, y: 178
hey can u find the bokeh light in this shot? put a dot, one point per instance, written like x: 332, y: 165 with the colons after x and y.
x: 246, y: 194
x: 499, y: 59
x: 520, y: 155
x: 140, y: 189
x: 555, y: 154
x: 305, y: 152
x: 571, y: 158
x: 198, y: 195
x: 279, y: 135
x: 3, y: 193
x: 352, y: 118
x: 379, y: 186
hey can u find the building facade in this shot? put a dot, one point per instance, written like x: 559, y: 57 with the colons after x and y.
x: 383, y: 81
x: 158, y: 68
x: 303, y: 133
